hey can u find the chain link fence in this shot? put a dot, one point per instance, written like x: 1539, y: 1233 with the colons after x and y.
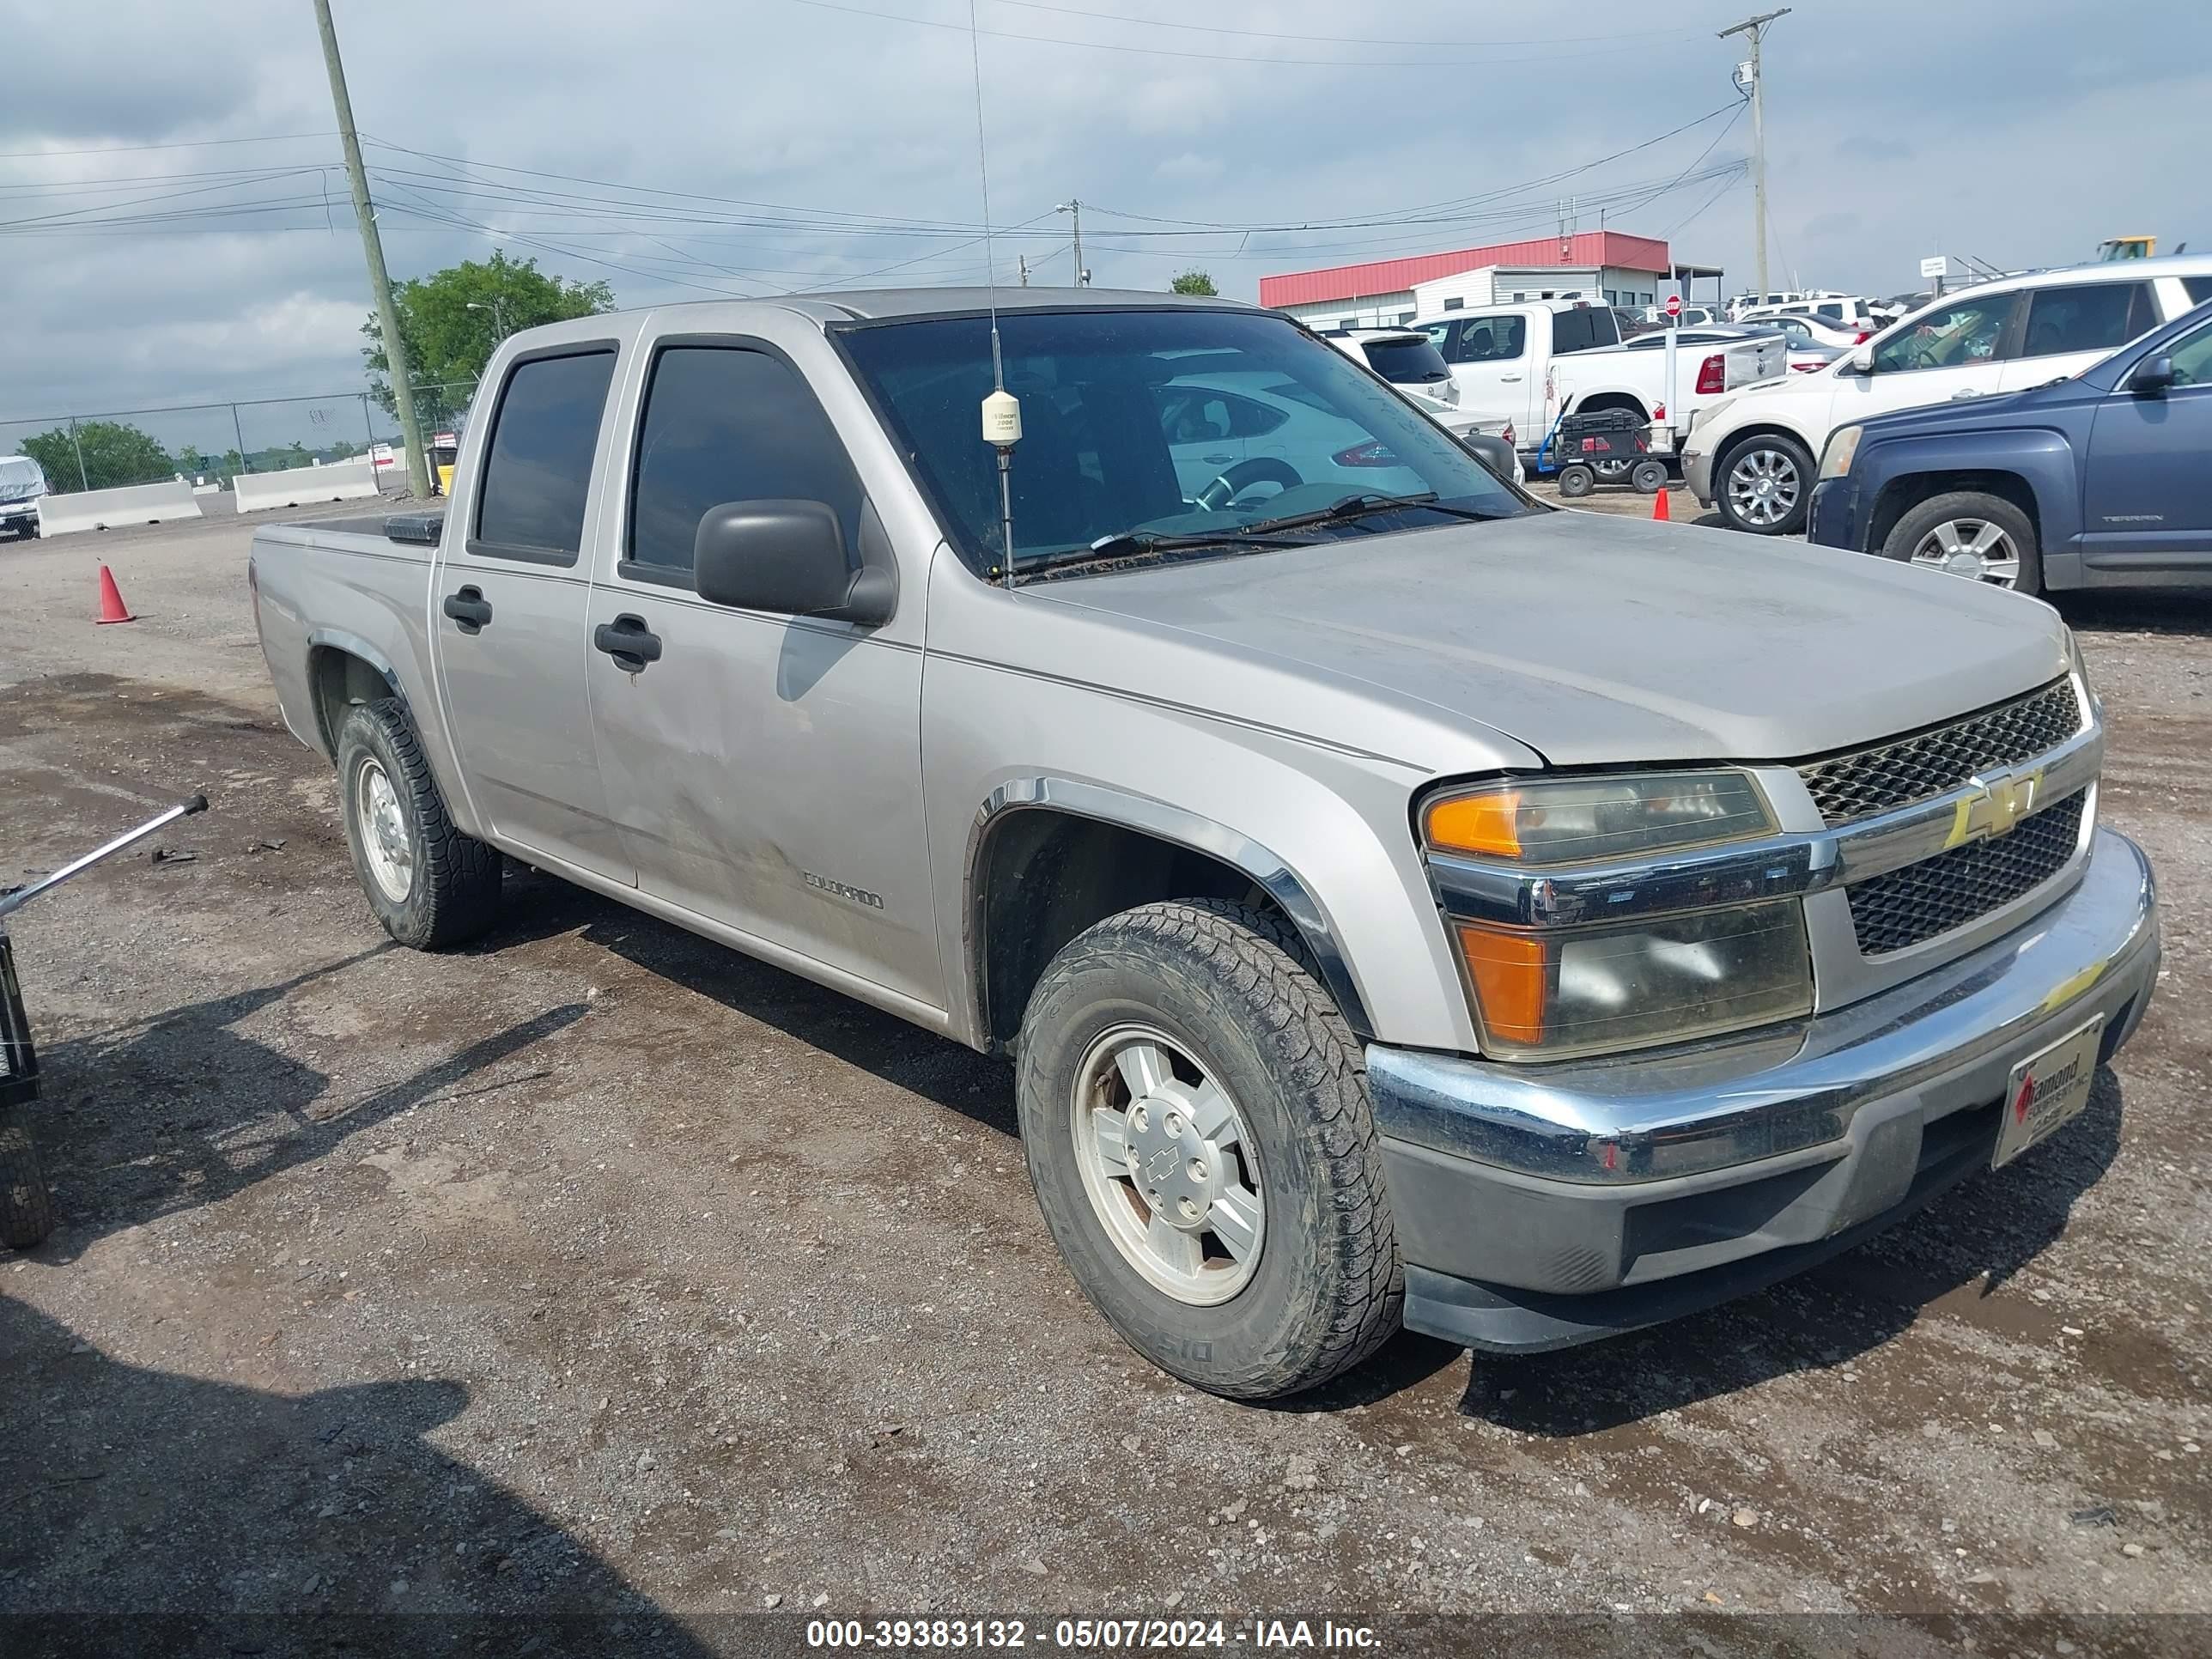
x: 212, y: 443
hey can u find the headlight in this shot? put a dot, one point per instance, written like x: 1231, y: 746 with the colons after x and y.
x: 1548, y: 996
x: 1843, y: 449
x: 1585, y: 820
x: 1709, y: 413
x: 1542, y: 993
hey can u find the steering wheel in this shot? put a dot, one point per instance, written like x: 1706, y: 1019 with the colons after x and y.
x: 1260, y: 468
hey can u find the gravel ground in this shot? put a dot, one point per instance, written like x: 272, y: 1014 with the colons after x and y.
x: 593, y: 1271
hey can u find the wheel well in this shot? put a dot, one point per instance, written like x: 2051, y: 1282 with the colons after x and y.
x: 1900, y: 495
x: 340, y: 679
x: 1604, y: 400
x: 1737, y: 440
x: 1043, y: 876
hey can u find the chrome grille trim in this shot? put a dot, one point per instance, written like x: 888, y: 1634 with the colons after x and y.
x: 1924, y: 901
x: 1900, y: 772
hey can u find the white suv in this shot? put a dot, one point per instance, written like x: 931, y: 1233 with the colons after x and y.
x: 1752, y: 455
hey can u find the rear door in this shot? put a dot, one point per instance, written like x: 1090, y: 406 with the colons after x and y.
x: 2147, y: 494
x: 2067, y: 329
x: 508, y: 599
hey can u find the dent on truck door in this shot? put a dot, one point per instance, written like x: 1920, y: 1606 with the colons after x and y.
x: 2146, y: 493
x: 507, y: 612
x: 765, y: 770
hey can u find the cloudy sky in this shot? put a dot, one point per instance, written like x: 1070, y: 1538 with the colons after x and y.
x: 177, y: 227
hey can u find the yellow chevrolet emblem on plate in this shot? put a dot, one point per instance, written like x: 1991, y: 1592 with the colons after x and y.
x: 1997, y: 805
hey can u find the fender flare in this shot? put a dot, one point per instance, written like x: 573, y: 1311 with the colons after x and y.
x: 1156, y: 818
x: 338, y: 638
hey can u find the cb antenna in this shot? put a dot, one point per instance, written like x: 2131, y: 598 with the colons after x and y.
x: 1002, y: 411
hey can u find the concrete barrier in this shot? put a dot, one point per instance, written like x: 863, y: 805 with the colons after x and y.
x: 341, y: 481
x: 111, y: 509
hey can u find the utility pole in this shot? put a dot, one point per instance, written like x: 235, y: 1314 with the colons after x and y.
x: 1075, y: 210
x: 498, y: 315
x: 1754, y: 28
x: 1022, y: 260
x: 380, y: 283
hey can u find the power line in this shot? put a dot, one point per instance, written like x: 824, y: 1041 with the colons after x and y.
x: 1316, y: 40
x: 181, y: 143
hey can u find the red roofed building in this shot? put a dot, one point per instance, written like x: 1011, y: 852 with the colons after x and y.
x: 1609, y: 265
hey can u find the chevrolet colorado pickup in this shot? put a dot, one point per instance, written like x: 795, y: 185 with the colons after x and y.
x: 1402, y: 901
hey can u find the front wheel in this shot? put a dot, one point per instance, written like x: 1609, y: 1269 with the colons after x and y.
x: 1984, y: 538
x: 26, y: 1208
x: 1576, y: 480
x: 430, y: 886
x: 1764, y: 485
x: 1195, y: 1114
x: 1648, y: 477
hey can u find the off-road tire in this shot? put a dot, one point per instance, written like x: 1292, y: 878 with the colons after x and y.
x: 1230, y: 984
x: 454, y: 896
x: 26, y: 1208
x: 1905, y: 534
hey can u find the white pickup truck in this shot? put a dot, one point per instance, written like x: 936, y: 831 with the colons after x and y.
x: 1532, y: 363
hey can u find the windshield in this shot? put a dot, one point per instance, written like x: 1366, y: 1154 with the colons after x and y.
x: 1159, y: 423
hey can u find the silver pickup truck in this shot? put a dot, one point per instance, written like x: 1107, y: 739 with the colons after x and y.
x: 1402, y: 903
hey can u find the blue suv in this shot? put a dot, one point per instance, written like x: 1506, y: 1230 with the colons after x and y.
x: 2101, y: 480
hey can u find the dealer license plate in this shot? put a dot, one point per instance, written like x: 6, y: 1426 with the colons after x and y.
x: 2045, y: 1091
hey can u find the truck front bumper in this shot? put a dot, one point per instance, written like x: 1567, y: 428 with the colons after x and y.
x: 1698, y: 468
x: 1834, y: 519
x: 1538, y: 1206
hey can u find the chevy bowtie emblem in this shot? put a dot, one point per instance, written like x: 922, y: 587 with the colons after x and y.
x: 1999, y: 802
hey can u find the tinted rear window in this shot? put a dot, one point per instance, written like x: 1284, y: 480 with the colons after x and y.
x: 2093, y: 317
x: 1579, y: 330
x: 2199, y: 289
x: 539, y: 470
x: 1406, y: 362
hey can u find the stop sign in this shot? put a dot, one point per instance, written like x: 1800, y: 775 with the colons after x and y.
x: 1674, y: 305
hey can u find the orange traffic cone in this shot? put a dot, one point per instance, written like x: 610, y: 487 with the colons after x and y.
x: 1660, y: 514
x: 111, y: 608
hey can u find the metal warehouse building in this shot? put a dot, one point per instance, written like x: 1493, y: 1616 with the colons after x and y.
x: 1608, y: 265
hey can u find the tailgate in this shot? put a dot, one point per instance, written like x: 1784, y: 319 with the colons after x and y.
x: 1754, y: 360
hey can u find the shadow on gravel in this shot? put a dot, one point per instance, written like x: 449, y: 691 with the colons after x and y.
x: 943, y: 1072
x: 154, y: 1513
x: 179, y: 1110
x: 2148, y: 612
x: 1987, y: 1228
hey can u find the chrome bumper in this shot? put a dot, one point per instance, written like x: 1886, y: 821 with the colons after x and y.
x: 1530, y: 1175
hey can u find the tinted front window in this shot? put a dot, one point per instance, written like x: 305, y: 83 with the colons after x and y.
x: 1493, y: 339
x: 2192, y: 358
x: 2094, y: 317
x: 1406, y: 362
x: 722, y: 425
x: 2199, y: 289
x: 1099, y: 457
x: 539, y: 470
x: 1950, y: 337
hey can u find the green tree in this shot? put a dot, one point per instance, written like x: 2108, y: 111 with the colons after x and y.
x: 114, y: 454
x: 449, y: 342
x: 1194, y: 282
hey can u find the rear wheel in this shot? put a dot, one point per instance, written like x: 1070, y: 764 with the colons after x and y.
x: 1195, y: 1114
x: 430, y: 885
x: 1984, y: 538
x: 1765, y: 485
x: 1648, y: 477
x: 1577, y: 481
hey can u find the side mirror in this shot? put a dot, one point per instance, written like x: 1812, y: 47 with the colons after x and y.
x: 1861, y: 360
x: 2152, y: 376
x: 789, y: 556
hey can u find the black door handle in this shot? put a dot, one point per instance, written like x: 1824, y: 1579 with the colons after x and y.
x: 468, y: 608
x: 627, y: 640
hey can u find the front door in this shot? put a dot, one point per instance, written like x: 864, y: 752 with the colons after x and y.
x: 1489, y: 359
x: 1954, y: 352
x: 507, y: 606
x: 765, y: 770
x: 2146, y: 496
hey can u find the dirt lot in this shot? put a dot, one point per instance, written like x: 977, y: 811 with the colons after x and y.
x: 596, y: 1271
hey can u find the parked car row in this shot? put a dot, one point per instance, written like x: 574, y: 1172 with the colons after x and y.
x: 1753, y: 456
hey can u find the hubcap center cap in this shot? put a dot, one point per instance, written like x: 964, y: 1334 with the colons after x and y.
x: 1177, y: 1170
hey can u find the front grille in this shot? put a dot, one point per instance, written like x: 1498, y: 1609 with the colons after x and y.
x: 1924, y: 901
x: 1859, y: 785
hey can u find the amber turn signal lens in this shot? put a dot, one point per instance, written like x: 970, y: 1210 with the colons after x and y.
x: 1478, y: 823
x: 1509, y: 971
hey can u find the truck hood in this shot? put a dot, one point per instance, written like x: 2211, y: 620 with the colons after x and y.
x: 1593, y: 640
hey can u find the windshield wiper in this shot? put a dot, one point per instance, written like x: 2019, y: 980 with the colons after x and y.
x: 1368, y: 503
x: 1131, y: 544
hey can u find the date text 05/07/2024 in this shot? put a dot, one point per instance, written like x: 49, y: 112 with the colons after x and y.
x: 1087, y: 1635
